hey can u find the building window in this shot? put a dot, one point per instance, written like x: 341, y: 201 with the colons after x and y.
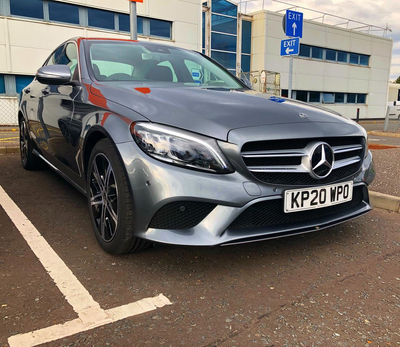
x: 353, y: 58
x: 333, y: 55
x: 101, y: 19
x: 301, y: 95
x: 316, y: 53
x: 22, y: 81
x: 330, y: 55
x: 305, y: 51
x: 339, y: 98
x: 246, y: 46
x: 342, y: 57
x: 24, y: 8
x: 327, y: 97
x: 125, y: 23
x: 65, y: 13
x: 57, y: 11
x: 315, y: 97
x: 2, y: 85
x: 246, y: 37
x: 351, y: 98
x: 364, y: 60
x: 361, y: 98
x: 224, y: 7
x: 246, y: 63
x: 160, y: 28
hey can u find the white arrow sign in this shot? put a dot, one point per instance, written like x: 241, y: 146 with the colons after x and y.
x: 294, y: 26
x: 289, y: 50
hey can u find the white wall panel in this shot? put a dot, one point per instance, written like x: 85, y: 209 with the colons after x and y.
x: 336, y: 70
x: 21, y: 65
x: 357, y: 86
x: 307, y: 82
x: 335, y: 84
x: 3, y: 59
x: 358, y: 72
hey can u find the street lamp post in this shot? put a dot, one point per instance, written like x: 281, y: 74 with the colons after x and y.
x: 133, y: 18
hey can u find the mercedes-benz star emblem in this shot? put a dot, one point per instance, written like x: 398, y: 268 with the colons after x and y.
x: 322, y: 159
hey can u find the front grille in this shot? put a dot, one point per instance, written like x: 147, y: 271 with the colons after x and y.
x: 284, y: 162
x: 181, y: 215
x: 270, y: 212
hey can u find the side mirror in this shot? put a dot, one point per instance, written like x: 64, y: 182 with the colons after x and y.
x: 246, y: 82
x: 54, y: 74
x: 394, y: 103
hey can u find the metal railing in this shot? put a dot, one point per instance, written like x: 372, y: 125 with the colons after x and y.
x: 268, y: 82
x: 313, y: 15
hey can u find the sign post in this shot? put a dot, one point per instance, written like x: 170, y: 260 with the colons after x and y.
x: 293, y: 27
x: 133, y: 18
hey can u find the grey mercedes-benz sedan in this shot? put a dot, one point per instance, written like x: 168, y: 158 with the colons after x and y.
x: 170, y: 147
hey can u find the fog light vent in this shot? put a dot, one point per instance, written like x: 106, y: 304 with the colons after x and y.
x: 181, y: 215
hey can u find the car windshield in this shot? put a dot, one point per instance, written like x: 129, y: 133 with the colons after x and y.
x: 156, y: 65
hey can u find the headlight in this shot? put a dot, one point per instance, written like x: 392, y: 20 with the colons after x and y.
x: 180, y: 147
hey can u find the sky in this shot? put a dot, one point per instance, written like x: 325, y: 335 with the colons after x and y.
x: 380, y: 13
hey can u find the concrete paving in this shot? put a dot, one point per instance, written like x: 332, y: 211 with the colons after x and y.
x: 334, y: 287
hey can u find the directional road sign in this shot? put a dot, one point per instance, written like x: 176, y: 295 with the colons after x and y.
x: 290, y: 46
x: 294, y: 24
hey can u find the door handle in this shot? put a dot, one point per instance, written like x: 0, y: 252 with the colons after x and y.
x: 46, y: 91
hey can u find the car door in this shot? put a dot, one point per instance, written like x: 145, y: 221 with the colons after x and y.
x: 56, y: 109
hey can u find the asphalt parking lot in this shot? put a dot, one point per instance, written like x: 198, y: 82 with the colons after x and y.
x: 335, y: 287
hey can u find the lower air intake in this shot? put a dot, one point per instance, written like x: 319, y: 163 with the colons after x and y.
x: 181, y: 215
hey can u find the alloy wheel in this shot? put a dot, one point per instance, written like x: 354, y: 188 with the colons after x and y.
x: 23, y: 142
x: 104, y: 197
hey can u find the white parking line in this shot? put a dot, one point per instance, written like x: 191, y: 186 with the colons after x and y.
x: 90, y: 313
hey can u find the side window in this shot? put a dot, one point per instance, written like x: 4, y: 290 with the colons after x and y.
x: 55, y: 56
x: 69, y: 57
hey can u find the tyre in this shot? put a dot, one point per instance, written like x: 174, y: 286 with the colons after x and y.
x: 28, y: 159
x: 110, y: 202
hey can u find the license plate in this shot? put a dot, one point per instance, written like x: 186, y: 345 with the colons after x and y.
x: 317, y: 197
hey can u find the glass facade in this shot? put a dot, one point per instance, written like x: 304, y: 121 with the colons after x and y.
x: 65, y: 13
x: 224, y: 33
x: 223, y: 42
x: 246, y: 37
x: 224, y: 7
x: 224, y: 24
x: 228, y: 60
x: 246, y: 63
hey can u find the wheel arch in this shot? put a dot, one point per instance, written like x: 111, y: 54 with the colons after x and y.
x: 94, y: 135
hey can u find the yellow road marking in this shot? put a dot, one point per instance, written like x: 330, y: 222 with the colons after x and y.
x: 9, y: 138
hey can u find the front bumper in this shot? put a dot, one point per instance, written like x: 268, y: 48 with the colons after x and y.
x: 223, y: 199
